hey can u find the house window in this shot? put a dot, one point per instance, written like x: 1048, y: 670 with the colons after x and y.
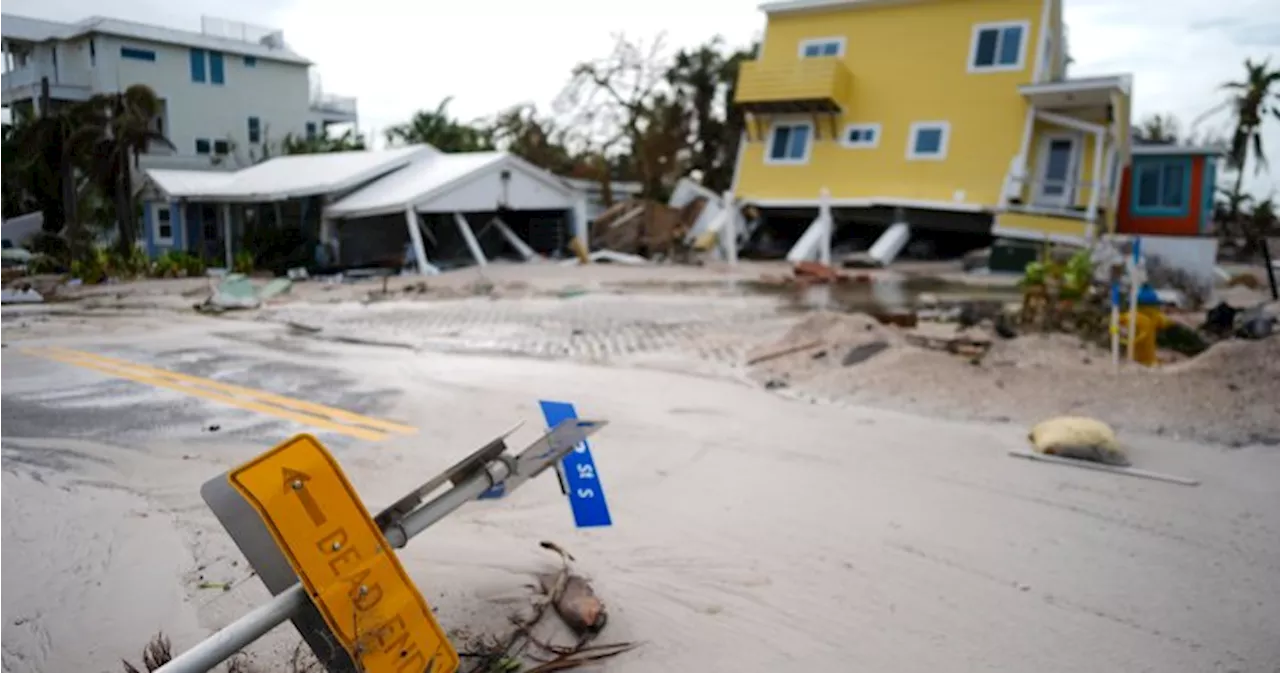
x: 137, y: 54
x: 250, y: 61
x: 93, y: 53
x: 255, y: 130
x: 221, y: 147
x: 1162, y: 187
x: 164, y: 226
x: 928, y: 141
x: 861, y: 135
x: 202, y: 146
x: 197, y: 65
x: 789, y: 143
x: 998, y: 46
x: 215, y: 67
x: 822, y: 46
x: 311, y: 130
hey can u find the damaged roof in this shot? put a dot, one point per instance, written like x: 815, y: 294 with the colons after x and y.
x: 287, y: 177
x: 462, y: 182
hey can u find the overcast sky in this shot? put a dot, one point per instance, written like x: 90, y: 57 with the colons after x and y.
x: 398, y: 56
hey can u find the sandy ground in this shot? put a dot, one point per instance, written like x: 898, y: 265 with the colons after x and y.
x: 753, y: 529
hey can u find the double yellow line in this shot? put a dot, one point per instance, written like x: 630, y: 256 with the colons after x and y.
x: 299, y: 411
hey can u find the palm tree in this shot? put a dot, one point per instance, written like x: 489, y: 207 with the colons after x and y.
x: 349, y: 141
x: 1158, y: 129
x: 1252, y: 99
x: 111, y: 132
x: 437, y: 128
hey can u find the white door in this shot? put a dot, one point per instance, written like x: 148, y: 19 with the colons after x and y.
x: 1059, y: 159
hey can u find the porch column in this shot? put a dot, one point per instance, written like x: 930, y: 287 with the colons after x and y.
x: 415, y: 236
x: 1109, y: 178
x: 1095, y: 193
x: 470, y: 237
x: 329, y: 237
x: 226, y: 237
x: 1016, y: 182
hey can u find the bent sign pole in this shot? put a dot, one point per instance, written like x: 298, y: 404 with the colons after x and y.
x: 348, y: 596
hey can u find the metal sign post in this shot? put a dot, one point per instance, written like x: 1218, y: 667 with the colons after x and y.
x: 292, y: 507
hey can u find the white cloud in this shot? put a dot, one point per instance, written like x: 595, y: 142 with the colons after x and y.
x: 400, y: 56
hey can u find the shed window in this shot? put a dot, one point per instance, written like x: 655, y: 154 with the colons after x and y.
x: 1162, y: 187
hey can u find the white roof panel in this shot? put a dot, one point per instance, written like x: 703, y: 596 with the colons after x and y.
x: 287, y: 177
x: 415, y: 183
x: 180, y: 184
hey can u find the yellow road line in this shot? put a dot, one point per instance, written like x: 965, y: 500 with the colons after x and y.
x: 134, y: 373
x: 333, y: 413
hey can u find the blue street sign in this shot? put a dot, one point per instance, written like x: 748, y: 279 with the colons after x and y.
x: 578, y: 470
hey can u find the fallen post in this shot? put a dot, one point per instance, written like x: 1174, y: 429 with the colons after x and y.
x: 484, y: 469
x: 1101, y: 467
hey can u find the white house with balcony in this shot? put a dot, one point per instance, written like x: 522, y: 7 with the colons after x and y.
x: 227, y: 91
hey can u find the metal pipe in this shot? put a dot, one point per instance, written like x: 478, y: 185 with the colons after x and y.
x: 237, y: 635
x: 215, y: 649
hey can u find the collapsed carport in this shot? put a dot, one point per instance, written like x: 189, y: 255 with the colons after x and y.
x: 456, y: 209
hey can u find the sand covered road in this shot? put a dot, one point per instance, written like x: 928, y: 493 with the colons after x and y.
x: 751, y: 531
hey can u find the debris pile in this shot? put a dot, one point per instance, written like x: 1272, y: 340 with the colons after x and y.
x: 642, y: 227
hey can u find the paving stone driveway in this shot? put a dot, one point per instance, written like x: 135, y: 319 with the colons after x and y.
x: 710, y: 333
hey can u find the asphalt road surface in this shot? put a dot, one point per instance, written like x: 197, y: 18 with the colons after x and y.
x: 751, y: 531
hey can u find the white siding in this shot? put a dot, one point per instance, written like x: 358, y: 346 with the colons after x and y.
x: 275, y: 92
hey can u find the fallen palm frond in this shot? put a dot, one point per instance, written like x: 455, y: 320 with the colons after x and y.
x: 577, y: 606
x: 157, y: 653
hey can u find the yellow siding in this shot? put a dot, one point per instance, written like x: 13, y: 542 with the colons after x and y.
x: 808, y: 79
x: 909, y: 63
x: 1035, y: 225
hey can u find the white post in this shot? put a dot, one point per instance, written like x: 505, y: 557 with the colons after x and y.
x: 226, y: 235
x: 580, y: 229
x: 470, y: 237
x: 729, y: 235
x: 828, y: 226
x: 415, y: 236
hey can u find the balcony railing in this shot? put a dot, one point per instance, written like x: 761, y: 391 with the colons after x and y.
x: 334, y: 105
x: 31, y: 74
x: 807, y: 85
x: 1073, y: 199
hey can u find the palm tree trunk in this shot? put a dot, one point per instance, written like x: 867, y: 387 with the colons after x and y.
x: 1271, y: 270
x: 126, y: 222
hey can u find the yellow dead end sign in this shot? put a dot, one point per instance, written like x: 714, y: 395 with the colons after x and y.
x: 345, y: 563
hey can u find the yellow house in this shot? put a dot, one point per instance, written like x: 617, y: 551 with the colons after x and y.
x: 950, y: 115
